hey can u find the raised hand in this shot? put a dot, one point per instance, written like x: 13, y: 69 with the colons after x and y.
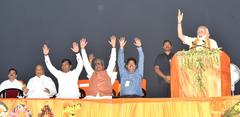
x: 180, y: 16
x: 91, y: 57
x: 45, y: 49
x: 112, y: 41
x: 122, y: 42
x: 83, y: 43
x: 75, y: 47
x: 137, y: 42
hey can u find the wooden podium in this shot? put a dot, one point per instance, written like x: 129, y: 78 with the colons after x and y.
x: 200, y: 74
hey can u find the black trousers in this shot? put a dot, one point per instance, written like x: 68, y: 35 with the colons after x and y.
x: 164, y: 90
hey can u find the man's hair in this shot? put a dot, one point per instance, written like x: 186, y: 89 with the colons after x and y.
x: 12, y: 69
x: 67, y: 60
x: 40, y: 66
x: 205, y: 27
x: 132, y: 59
x: 94, y: 62
x: 167, y: 41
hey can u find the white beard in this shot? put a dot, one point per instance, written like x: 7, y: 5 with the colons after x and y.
x: 202, y: 37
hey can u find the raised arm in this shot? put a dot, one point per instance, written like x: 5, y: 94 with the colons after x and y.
x: 113, y: 56
x: 121, y: 63
x: 86, y: 63
x: 138, y: 44
x: 49, y: 65
x: 179, y: 27
x: 75, y: 49
x: 91, y: 57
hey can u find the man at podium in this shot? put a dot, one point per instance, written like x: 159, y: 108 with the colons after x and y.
x: 204, y: 71
x: 201, y: 41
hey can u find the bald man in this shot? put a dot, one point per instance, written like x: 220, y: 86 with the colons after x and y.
x: 40, y: 86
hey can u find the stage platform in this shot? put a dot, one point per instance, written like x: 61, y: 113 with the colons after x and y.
x: 119, y: 107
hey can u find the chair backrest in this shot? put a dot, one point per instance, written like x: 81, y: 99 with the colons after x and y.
x: 11, y: 93
x: 144, y: 87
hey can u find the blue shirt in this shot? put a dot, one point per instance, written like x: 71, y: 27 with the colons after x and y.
x: 131, y: 82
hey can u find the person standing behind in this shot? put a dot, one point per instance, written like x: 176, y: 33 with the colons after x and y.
x: 162, y: 68
x: 131, y: 74
x: 67, y: 78
x: 40, y: 86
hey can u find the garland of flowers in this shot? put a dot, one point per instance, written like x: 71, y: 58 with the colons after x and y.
x: 195, y: 60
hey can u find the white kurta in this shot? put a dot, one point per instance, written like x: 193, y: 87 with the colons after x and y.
x: 67, y: 82
x: 189, y: 41
x: 37, y: 85
x: 7, y: 84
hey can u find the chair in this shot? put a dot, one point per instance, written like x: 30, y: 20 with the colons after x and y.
x: 11, y: 93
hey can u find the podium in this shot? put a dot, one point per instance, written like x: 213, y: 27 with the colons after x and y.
x: 200, y: 73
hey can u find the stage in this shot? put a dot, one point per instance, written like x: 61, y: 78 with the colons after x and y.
x: 137, y: 107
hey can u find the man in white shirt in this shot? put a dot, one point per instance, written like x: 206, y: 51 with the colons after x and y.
x: 40, y: 86
x: 201, y: 41
x: 67, y: 78
x: 100, y: 80
x: 12, y: 81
